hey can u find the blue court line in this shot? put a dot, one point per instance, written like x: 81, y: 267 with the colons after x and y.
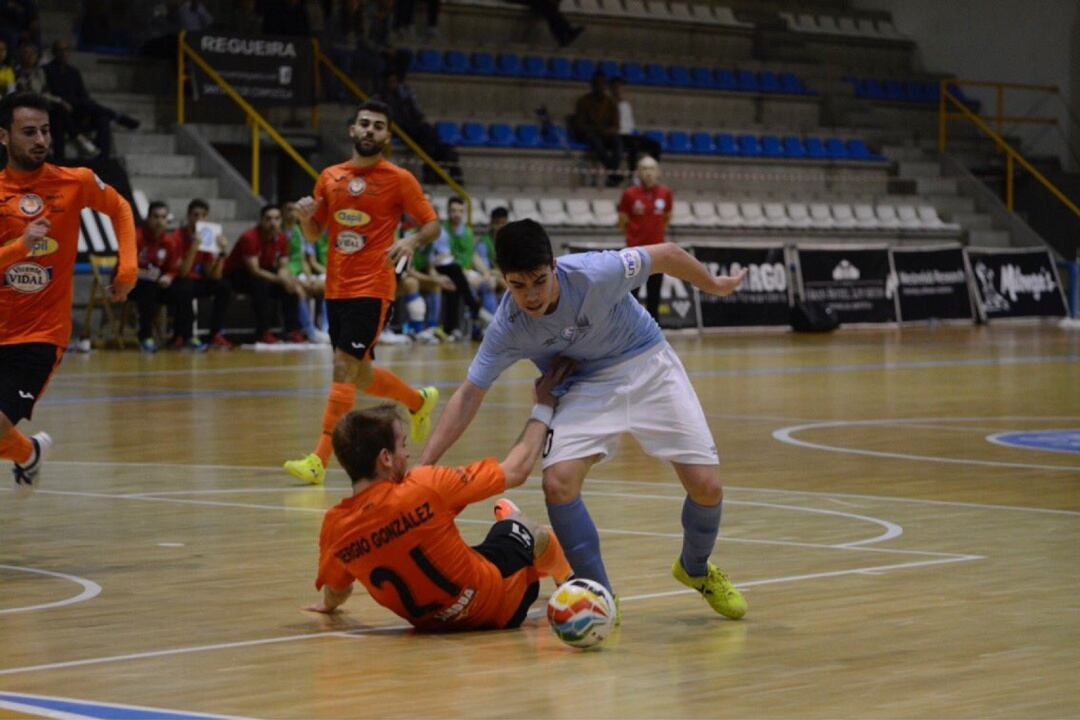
x: 88, y: 709
x: 741, y: 372
x: 1064, y: 441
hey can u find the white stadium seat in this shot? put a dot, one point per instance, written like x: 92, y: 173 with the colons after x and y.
x: 525, y: 209
x: 552, y: 212
x: 827, y: 24
x: 704, y: 213
x: 579, y: 212
x: 820, y: 216
x: 490, y: 203
x: 605, y: 212
x: 727, y: 215
x: 752, y: 214
x: 703, y: 13
x: 681, y: 215
x: 775, y: 217
x: 908, y: 217
x: 865, y: 219
x: 798, y: 215
x: 658, y: 9
x: 724, y: 16
x: 886, y: 217
x: 844, y: 216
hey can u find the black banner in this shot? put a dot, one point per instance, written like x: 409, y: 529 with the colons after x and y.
x: 854, y: 282
x: 1015, y: 283
x: 266, y: 71
x: 764, y: 298
x: 932, y: 283
x: 677, y: 307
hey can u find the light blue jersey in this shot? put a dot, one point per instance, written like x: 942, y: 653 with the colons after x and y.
x: 597, y: 322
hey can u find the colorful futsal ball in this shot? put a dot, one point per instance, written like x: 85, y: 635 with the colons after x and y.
x: 581, y: 613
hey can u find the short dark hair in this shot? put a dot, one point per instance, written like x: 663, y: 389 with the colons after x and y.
x: 375, y: 106
x: 455, y: 200
x: 198, y: 204
x: 500, y: 213
x: 154, y: 205
x: 267, y: 208
x: 361, y: 435
x: 14, y: 101
x: 523, y: 246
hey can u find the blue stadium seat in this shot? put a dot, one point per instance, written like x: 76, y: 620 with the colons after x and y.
x: 508, y: 65
x: 560, y: 69
x: 726, y: 145
x: 500, y: 135
x: 835, y: 149
x: 702, y: 78
x: 428, y: 61
x: 793, y: 147
x: 473, y: 134
x: 916, y: 92
x: 656, y: 75
x: 769, y: 83
x: 554, y: 137
x: 678, y: 142
x: 933, y: 91
x: 857, y: 150
x: 584, y: 69
x: 792, y: 85
x: 482, y: 63
x: 858, y: 85
x: 747, y: 81
x: 534, y: 66
x: 771, y: 147
x: 633, y: 74
x: 448, y: 132
x: 659, y: 137
x: 455, y: 62
x: 680, y: 76
x: 725, y: 80
x: 609, y: 68
x: 814, y: 148
x: 873, y: 90
x: 894, y: 91
x: 527, y: 136
x: 571, y: 142
x: 748, y: 146
x: 702, y: 143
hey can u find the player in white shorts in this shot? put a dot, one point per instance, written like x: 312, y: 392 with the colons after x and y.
x: 628, y: 379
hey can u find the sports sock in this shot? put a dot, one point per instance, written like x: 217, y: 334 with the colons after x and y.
x: 386, y: 384
x: 434, y: 309
x: 341, y: 399
x: 701, y: 524
x: 553, y: 560
x: 581, y: 542
x: 303, y: 314
x: 17, y: 447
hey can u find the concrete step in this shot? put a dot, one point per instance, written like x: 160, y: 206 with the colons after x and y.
x: 144, y: 143
x: 989, y: 238
x: 949, y: 204
x: 972, y: 221
x: 221, y: 209
x: 160, y: 164
x: 919, y: 169
x: 146, y: 108
x: 99, y: 80
x: 171, y: 187
x: 935, y: 185
x: 233, y: 229
x: 901, y: 153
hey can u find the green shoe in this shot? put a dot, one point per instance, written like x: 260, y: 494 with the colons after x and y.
x: 421, y: 419
x: 618, y: 611
x: 309, y: 469
x: 715, y: 587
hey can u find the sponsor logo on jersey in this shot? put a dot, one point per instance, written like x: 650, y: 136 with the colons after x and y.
x: 631, y: 261
x: 349, y: 242
x: 31, y: 204
x: 44, y: 246
x: 352, y: 218
x: 27, y: 277
x: 357, y: 186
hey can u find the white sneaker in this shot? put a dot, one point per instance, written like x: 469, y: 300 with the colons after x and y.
x: 427, y: 337
x: 26, y: 475
x: 319, y: 337
x: 389, y: 337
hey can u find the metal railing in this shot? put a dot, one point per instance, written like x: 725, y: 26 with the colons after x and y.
x: 256, y: 121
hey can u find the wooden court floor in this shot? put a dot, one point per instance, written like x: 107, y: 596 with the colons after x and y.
x: 900, y: 558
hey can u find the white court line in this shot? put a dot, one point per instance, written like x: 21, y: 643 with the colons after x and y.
x: 369, y: 631
x: 90, y: 589
x: 785, y: 435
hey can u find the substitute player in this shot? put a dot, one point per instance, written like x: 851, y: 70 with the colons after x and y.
x: 359, y: 203
x: 39, y: 235
x: 396, y: 532
x: 628, y: 380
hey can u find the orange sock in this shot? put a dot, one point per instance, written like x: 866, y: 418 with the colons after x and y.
x: 342, y: 397
x: 553, y: 560
x: 386, y: 384
x: 16, y: 446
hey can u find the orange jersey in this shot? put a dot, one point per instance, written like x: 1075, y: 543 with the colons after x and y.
x: 400, y: 541
x: 361, y: 209
x: 36, y: 286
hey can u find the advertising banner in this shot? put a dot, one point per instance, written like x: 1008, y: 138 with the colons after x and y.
x: 856, y: 282
x: 932, y: 283
x: 1015, y: 283
x: 763, y: 299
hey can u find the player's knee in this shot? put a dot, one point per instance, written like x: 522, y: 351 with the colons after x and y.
x: 410, y: 285
x: 559, y: 489
x: 706, y: 491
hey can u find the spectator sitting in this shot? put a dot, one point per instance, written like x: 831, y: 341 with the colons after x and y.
x: 259, y: 266
x: 200, y: 276
x: 485, y: 249
x: 312, y: 283
x: 561, y: 30
x: 595, y: 122
x: 194, y: 16
x: 407, y: 115
x: 452, y: 252
x: 7, y: 72
x: 632, y: 142
x: 422, y: 290
x: 65, y: 81
x: 30, y: 77
x: 159, y: 260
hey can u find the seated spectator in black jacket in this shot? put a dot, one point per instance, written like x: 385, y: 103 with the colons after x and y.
x: 65, y: 81
x: 595, y: 122
x: 407, y: 115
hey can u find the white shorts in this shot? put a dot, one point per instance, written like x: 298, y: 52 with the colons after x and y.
x: 648, y: 396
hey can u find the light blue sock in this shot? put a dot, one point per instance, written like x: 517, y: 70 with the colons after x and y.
x: 304, y: 316
x: 701, y: 525
x: 434, y: 308
x: 488, y: 299
x: 324, y: 321
x: 581, y: 543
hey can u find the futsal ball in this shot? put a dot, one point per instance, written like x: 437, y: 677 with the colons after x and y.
x: 581, y: 613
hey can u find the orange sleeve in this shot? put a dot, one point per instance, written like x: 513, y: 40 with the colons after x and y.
x: 103, y: 198
x: 12, y: 253
x: 412, y: 197
x: 331, y: 571
x: 461, y: 486
x: 322, y: 214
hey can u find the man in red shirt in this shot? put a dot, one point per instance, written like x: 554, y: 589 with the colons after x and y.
x: 159, y: 259
x: 644, y: 212
x: 39, y: 237
x: 259, y: 266
x: 199, y: 276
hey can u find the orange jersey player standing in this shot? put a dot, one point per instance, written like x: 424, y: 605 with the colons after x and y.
x: 396, y: 533
x: 39, y: 235
x: 359, y: 203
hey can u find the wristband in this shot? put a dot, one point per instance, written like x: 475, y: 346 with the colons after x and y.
x: 543, y: 413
